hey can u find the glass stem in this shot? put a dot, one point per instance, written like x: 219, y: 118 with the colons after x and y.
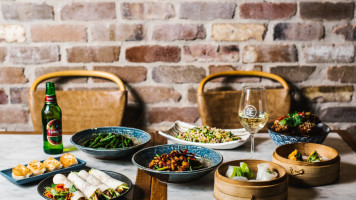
x: 252, y: 145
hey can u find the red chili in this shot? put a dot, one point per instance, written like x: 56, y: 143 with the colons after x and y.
x: 301, y: 113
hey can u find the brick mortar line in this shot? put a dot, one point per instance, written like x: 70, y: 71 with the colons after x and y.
x: 239, y: 63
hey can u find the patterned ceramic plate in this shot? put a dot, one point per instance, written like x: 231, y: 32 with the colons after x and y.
x: 48, y: 182
x: 281, y: 139
x: 208, y: 157
x: 139, y: 137
x: 179, y: 126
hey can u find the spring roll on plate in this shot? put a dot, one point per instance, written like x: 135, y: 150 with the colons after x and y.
x: 119, y: 186
x: 105, y: 189
x: 61, y: 179
x: 90, y: 191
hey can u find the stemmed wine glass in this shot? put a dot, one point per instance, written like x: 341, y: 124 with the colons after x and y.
x: 253, y: 111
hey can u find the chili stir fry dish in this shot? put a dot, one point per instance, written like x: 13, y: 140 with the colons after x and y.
x: 176, y: 161
x: 298, y: 123
x: 107, y: 141
x: 207, y: 134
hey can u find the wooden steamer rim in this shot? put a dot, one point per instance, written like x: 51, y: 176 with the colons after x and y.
x: 252, y: 165
x: 226, y: 188
x: 309, y: 174
x: 281, y: 153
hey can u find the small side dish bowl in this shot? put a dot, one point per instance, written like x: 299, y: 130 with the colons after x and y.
x: 139, y: 137
x: 208, y: 157
x: 306, y: 174
x: 281, y: 139
x: 226, y: 188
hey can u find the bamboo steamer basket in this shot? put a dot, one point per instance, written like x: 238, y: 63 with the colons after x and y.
x: 229, y: 189
x: 309, y: 174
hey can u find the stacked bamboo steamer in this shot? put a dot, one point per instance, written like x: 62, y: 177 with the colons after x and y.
x: 228, y: 189
x: 306, y: 174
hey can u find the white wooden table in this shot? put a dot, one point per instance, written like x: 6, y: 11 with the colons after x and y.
x: 20, y: 149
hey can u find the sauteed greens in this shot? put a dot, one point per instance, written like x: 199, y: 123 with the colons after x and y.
x: 107, y: 141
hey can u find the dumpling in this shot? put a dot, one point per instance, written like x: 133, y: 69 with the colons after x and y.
x: 52, y: 164
x: 68, y: 160
x: 314, y: 157
x: 36, y: 167
x: 295, y: 155
x: 20, y: 172
x: 264, y: 174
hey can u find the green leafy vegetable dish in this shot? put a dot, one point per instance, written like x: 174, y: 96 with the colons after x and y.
x: 107, y: 141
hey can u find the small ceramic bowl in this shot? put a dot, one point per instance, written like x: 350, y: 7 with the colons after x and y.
x: 281, y: 139
x: 139, y: 137
x: 210, y: 159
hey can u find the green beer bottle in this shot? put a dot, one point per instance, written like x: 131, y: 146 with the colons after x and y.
x: 51, y: 122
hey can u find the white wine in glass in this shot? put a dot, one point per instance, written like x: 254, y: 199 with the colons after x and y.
x: 253, y: 111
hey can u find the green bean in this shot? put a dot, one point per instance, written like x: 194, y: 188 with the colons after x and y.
x: 95, y: 141
x: 112, y: 141
x: 98, y: 145
x: 86, y: 142
x: 108, y: 138
x: 116, y: 143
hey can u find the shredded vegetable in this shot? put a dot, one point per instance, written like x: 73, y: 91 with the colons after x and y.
x: 58, y: 192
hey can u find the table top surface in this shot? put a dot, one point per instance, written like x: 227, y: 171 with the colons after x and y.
x: 21, y: 147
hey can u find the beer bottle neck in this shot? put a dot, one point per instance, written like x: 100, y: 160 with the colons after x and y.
x: 50, y: 93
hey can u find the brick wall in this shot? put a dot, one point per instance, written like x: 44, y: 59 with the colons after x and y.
x: 162, y: 49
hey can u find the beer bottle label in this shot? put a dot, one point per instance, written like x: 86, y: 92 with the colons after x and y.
x: 54, y: 131
x: 50, y: 98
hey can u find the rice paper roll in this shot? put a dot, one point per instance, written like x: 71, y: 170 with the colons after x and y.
x: 78, y: 195
x: 105, y: 189
x: 88, y: 178
x: 90, y: 191
x: 61, y: 179
x: 108, y: 180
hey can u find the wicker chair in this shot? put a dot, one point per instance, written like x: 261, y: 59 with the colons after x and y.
x: 220, y: 108
x: 81, y: 109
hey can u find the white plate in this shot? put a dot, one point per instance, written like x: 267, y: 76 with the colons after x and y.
x: 171, y: 133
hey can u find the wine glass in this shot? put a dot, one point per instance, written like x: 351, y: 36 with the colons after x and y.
x: 253, y: 111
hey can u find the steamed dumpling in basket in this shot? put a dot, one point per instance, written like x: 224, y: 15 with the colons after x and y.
x: 264, y: 174
x: 243, y: 173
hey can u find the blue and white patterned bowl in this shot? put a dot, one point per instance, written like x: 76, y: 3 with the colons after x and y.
x: 210, y: 159
x: 139, y: 137
x: 281, y: 139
